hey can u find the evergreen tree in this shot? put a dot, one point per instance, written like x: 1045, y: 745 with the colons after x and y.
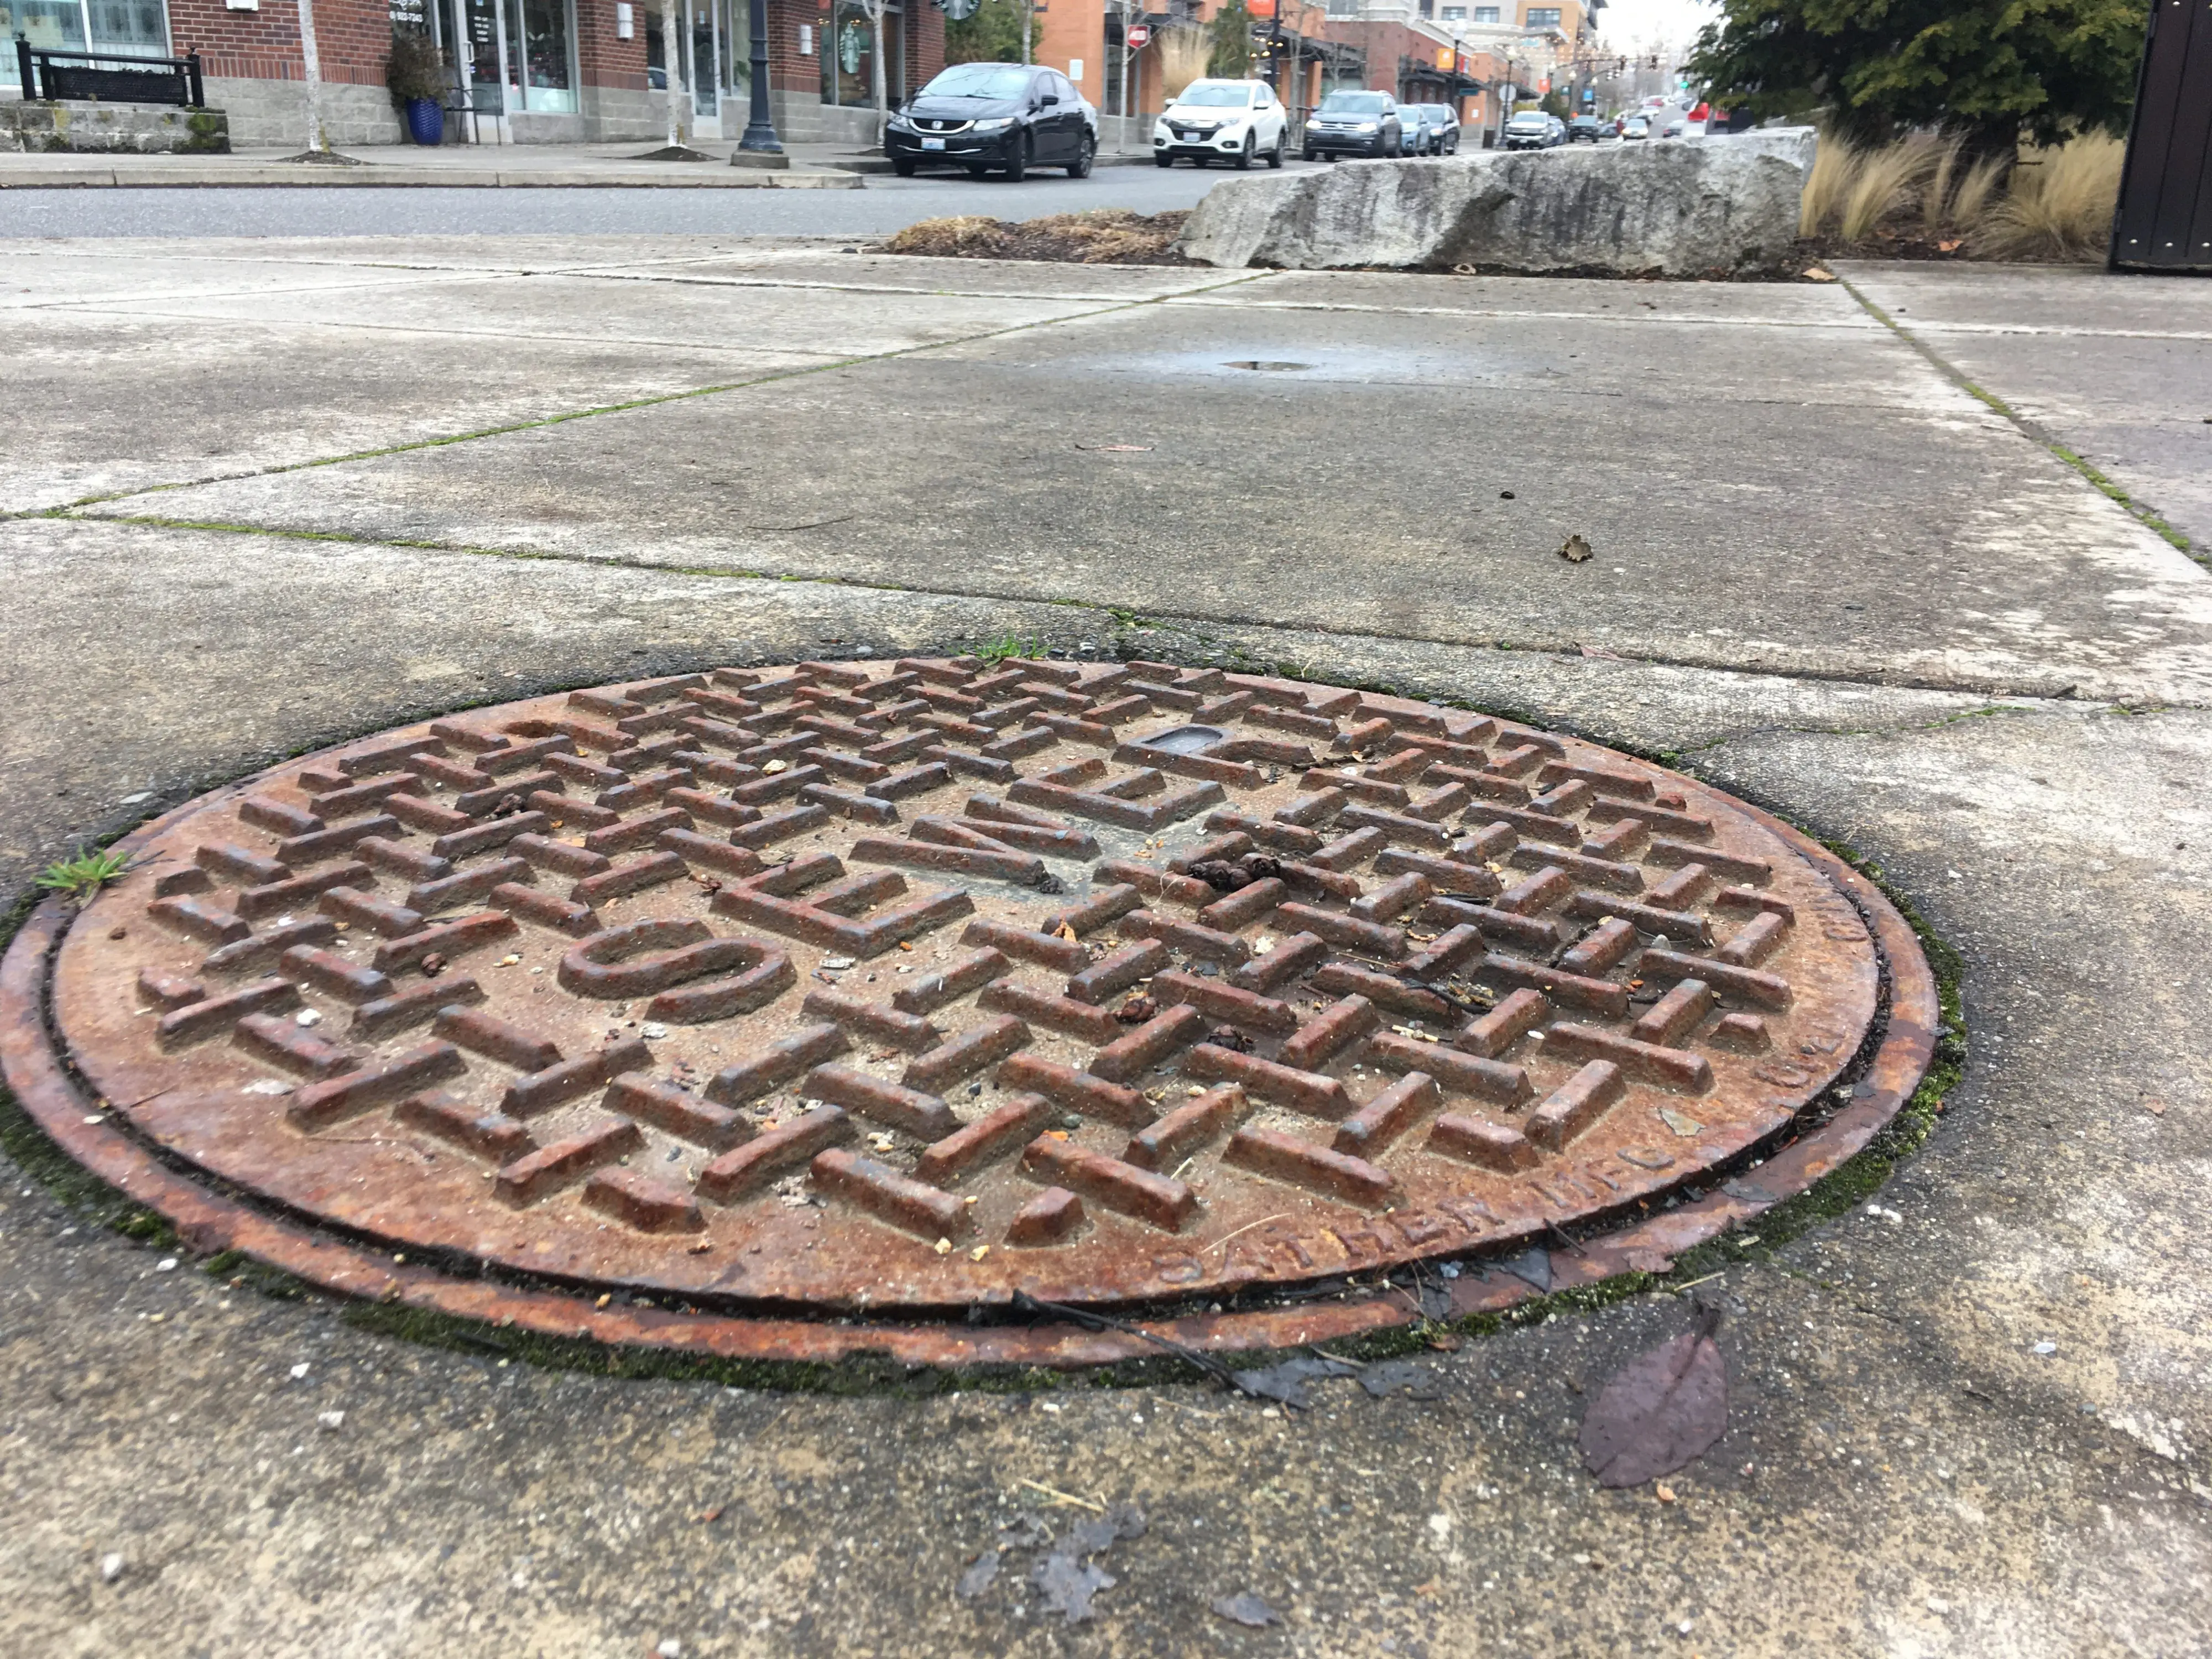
x: 1990, y: 67
x: 1229, y: 35
x: 990, y: 34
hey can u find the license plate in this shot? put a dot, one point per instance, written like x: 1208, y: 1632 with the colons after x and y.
x: 932, y: 144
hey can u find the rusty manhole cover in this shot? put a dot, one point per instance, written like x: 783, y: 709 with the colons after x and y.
x: 851, y: 997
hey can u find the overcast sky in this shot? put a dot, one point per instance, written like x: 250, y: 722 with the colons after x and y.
x: 1631, y: 23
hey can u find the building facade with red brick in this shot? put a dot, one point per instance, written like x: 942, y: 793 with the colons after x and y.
x: 524, y: 71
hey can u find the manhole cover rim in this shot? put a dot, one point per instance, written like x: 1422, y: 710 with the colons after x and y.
x: 315, y: 1253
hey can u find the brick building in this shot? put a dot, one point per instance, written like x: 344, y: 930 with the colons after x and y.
x: 537, y: 71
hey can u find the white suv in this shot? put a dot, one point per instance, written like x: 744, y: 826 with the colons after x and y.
x: 1229, y: 120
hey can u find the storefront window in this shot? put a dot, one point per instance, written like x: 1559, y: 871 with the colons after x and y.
x: 131, y: 28
x: 720, y: 33
x: 137, y: 28
x: 48, y: 25
x: 737, y: 47
x: 546, y: 77
x: 848, y: 55
x: 531, y: 39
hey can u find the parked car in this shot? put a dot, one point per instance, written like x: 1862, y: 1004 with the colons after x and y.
x: 1234, y: 121
x: 1585, y: 129
x: 1443, y: 128
x: 1636, y: 126
x: 1533, y: 130
x: 1354, y: 123
x: 1413, y: 130
x: 1005, y: 117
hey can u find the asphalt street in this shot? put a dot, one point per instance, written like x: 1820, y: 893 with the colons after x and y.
x: 886, y: 204
x: 267, y: 494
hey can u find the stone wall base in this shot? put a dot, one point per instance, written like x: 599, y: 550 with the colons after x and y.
x: 113, y: 129
x: 265, y: 113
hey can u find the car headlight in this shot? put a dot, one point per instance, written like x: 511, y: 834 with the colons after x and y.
x: 996, y: 124
x: 900, y: 121
x: 1369, y: 126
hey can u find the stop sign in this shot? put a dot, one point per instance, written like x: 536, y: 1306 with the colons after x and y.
x: 1138, y: 35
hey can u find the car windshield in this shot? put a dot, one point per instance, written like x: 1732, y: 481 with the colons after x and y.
x: 1443, y: 115
x: 1533, y: 123
x: 1220, y: 95
x: 1355, y: 103
x: 980, y: 81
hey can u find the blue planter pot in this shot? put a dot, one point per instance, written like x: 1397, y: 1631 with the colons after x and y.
x: 426, y: 121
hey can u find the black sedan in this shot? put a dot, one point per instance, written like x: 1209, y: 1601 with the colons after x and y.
x: 1005, y: 118
x: 1355, y: 124
x: 1585, y: 129
x: 1444, y: 130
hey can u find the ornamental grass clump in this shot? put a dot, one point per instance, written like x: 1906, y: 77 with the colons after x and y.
x: 2058, y: 203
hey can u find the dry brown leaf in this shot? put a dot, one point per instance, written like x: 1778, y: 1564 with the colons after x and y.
x: 1663, y: 1410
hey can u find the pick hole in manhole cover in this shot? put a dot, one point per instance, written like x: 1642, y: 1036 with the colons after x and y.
x: 1266, y: 367
x: 826, y: 1008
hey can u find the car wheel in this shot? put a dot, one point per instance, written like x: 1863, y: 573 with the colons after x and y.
x: 1163, y: 159
x: 903, y: 167
x: 1080, y: 166
x: 1275, y: 156
x: 1243, y: 163
x: 1018, y: 159
x: 1306, y: 154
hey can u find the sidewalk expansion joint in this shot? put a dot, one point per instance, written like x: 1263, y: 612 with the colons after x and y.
x: 2031, y: 430
x: 1116, y: 618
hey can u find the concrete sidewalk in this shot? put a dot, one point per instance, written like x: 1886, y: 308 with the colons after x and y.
x: 420, y: 474
x: 814, y: 166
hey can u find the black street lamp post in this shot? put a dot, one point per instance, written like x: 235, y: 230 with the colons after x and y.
x: 760, y: 137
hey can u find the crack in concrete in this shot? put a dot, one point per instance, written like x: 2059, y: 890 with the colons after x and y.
x: 766, y: 378
x: 2031, y: 430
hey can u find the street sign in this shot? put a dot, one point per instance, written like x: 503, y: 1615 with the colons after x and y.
x: 1138, y: 35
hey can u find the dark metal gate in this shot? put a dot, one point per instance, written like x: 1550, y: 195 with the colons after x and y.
x: 2163, y: 221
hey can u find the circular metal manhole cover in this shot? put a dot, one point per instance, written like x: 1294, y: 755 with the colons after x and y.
x: 876, y: 990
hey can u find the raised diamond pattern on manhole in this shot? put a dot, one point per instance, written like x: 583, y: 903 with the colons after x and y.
x: 880, y: 986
